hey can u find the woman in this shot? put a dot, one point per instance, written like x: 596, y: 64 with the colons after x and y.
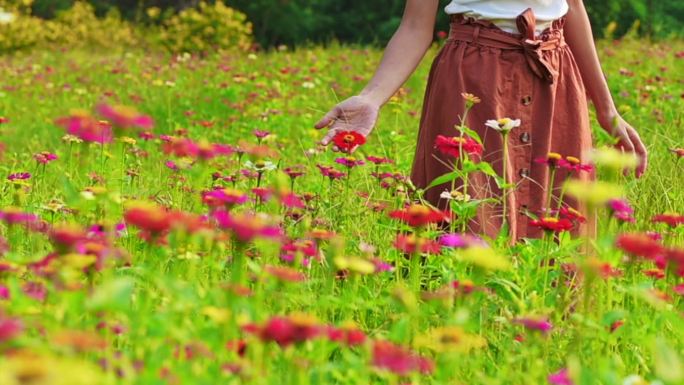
x: 527, y: 60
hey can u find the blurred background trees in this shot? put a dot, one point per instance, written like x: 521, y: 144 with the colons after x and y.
x: 296, y: 22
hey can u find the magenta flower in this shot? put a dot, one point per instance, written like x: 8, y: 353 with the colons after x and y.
x: 225, y: 197
x: 44, y: 157
x: 621, y: 210
x: 539, y: 324
x: 125, y: 117
x: 19, y: 176
x: 261, y: 134
x: 349, y: 162
x: 85, y: 127
x: 4, y: 292
x: 9, y: 328
x: 246, y: 227
x: 378, y: 161
x: 13, y: 216
x: 561, y: 377
x: 458, y: 241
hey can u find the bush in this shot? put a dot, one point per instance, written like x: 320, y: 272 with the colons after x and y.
x: 19, y: 31
x: 205, y: 28
x: 79, y: 27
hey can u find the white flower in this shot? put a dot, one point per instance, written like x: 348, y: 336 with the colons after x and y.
x: 261, y: 166
x: 503, y: 125
x: 6, y: 17
x: 454, y: 196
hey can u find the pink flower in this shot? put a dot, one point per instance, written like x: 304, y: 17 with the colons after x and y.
x: 125, y: 117
x: 19, y: 176
x: 9, y: 328
x: 378, y: 161
x: 261, y: 134
x: 399, y: 360
x: 349, y: 162
x: 621, y: 210
x: 533, y: 323
x: 246, y: 227
x: 561, y: 377
x: 4, y: 292
x: 44, y: 157
x: 225, y: 197
x: 87, y: 128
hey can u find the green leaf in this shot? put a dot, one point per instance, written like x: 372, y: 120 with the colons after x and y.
x: 112, y: 295
x: 446, y: 178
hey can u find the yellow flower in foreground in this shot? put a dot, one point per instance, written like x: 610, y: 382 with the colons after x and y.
x: 593, y: 193
x: 614, y: 159
x: 451, y: 339
x: 485, y: 258
x: 355, y: 265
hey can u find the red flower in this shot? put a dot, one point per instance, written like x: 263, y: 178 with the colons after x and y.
x: 673, y: 220
x: 552, y: 159
x: 452, y: 146
x: 285, y: 274
x: 148, y: 217
x: 419, y: 215
x: 348, y: 140
x: 552, y: 224
x: 571, y: 214
x: 347, y: 335
x: 286, y: 330
x: 574, y: 164
x: 410, y: 244
x: 639, y: 245
x: 399, y: 360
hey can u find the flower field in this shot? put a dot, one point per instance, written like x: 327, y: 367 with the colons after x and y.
x: 172, y: 220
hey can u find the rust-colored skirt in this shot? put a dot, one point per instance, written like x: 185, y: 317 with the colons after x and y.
x: 520, y: 76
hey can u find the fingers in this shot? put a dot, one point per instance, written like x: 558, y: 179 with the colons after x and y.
x: 328, y: 137
x: 641, y: 151
x: 327, y: 119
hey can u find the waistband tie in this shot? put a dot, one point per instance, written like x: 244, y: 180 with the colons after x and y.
x: 528, y: 42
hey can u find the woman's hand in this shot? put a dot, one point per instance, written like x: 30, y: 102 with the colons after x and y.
x: 628, y: 139
x: 357, y: 113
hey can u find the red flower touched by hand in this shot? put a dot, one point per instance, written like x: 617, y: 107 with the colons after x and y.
x: 346, y: 141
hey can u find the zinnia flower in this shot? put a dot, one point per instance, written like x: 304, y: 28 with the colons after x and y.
x: 246, y: 227
x: 672, y: 220
x: 399, y: 360
x: 9, y: 328
x: 411, y: 244
x: 419, y: 215
x: 574, y: 164
x: 44, y: 157
x: 346, y: 141
x: 286, y: 331
x: 86, y: 127
x: 540, y: 324
x: 452, y: 146
x: 561, y: 377
x: 639, y: 245
x: 551, y: 224
x: 125, y: 117
x: 503, y: 125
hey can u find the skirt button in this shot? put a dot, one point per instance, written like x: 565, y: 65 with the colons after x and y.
x: 524, y: 172
x: 525, y: 137
x: 526, y: 101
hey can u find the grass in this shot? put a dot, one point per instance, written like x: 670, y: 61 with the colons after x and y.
x: 150, y: 312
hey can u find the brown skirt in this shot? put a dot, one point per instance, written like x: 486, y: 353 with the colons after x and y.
x: 520, y: 76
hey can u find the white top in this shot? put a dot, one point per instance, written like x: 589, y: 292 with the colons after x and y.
x: 504, y: 12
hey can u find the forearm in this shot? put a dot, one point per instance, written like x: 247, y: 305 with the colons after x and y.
x: 581, y: 42
x: 403, y: 52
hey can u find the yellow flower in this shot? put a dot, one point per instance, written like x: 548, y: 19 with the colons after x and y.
x: 593, y: 193
x: 614, y: 159
x: 450, y: 339
x: 485, y: 258
x: 355, y: 265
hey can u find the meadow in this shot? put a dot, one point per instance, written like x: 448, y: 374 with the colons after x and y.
x: 199, y: 235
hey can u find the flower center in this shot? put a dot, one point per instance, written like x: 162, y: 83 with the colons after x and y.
x: 349, y: 138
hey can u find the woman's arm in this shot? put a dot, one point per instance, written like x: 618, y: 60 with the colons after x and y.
x: 579, y: 37
x: 402, y: 55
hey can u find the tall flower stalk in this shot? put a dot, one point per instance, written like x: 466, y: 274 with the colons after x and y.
x: 504, y: 126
